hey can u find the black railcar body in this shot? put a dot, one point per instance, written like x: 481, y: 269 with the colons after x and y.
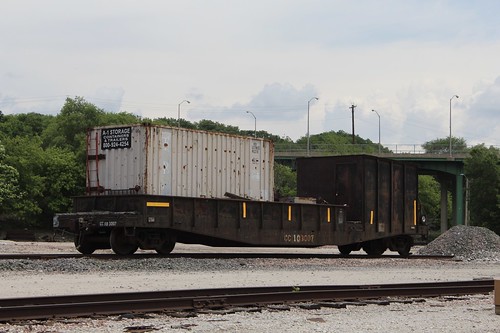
x: 366, y: 202
x: 381, y: 198
x: 157, y: 222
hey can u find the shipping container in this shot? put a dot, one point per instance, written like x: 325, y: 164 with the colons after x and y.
x: 381, y: 194
x: 160, y: 160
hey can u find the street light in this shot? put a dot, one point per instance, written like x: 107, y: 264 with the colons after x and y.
x: 179, y: 112
x: 255, y: 124
x: 378, y: 130
x: 450, y: 121
x: 308, y: 105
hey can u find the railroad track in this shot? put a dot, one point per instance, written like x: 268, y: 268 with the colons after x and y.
x: 196, y: 300
x: 45, y: 256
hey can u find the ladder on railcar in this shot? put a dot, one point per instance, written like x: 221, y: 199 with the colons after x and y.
x: 92, y: 163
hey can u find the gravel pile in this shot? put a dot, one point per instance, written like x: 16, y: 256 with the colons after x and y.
x: 466, y: 243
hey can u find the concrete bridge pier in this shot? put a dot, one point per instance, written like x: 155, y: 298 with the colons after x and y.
x: 454, y: 184
x: 444, y: 205
x: 458, y: 201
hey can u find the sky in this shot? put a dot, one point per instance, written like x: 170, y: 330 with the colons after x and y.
x: 404, y: 59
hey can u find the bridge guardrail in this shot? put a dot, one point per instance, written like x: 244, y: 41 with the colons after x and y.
x: 296, y: 149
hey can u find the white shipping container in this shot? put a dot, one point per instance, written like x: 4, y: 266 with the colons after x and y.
x: 162, y: 160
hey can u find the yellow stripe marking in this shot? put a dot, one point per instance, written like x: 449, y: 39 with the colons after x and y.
x: 328, y: 215
x: 157, y: 204
x: 414, y: 212
x: 244, y: 210
x: 290, y: 213
x: 371, y: 216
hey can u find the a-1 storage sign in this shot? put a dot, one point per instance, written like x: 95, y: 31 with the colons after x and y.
x: 116, y: 138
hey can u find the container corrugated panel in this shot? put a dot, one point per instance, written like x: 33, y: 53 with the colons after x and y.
x: 179, y: 162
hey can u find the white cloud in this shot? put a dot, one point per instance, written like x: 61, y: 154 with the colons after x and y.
x: 404, y: 59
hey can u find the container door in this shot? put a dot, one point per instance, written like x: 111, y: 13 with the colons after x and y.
x: 255, y: 170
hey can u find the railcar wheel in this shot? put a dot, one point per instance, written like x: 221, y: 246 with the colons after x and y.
x: 375, y: 247
x: 82, y: 246
x: 122, y: 244
x: 166, y: 247
x: 403, y: 245
x: 346, y: 249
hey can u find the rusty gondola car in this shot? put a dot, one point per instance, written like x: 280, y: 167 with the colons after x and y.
x: 149, y: 187
x: 381, y: 195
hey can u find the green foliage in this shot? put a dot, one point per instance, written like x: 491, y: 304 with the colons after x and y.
x: 285, y: 181
x: 483, y: 172
x: 69, y: 129
x: 442, y: 146
x: 429, y: 194
x: 29, y: 124
x: 10, y: 193
x: 121, y: 118
x: 47, y: 178
x: 171, y: 122
x: 213, y: 126
x: 339, y: 143
x: 25, y: 155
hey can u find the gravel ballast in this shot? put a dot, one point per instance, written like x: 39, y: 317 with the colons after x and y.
x: 85, y: 275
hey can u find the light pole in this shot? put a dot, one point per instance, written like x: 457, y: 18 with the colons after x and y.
x: 255, y: 124
x: 179, y: 112
x: 378, y: 130
x: 450, y: 122
x: 308, y: 106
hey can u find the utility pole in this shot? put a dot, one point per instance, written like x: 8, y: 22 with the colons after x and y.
x: 352, y: 108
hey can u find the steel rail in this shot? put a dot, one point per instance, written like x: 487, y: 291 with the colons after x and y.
x: 80, y: 298
x: 106, y: 256
x: 107, y: 304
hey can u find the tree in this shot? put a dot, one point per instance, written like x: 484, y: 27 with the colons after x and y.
x: 285, y: 181
x: 121, y: 118
x: 69, y: 130
x: 429, y: 195
x: 25, y: 155
x: 171, y: 122
x: 63, y: 178
x: 483, y: 172
x: 442, y: 146
x: 338, y: 143
x: 47, y: 179
x: 24, y: 124
x: 10, y: 193
x: 213, y: 126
